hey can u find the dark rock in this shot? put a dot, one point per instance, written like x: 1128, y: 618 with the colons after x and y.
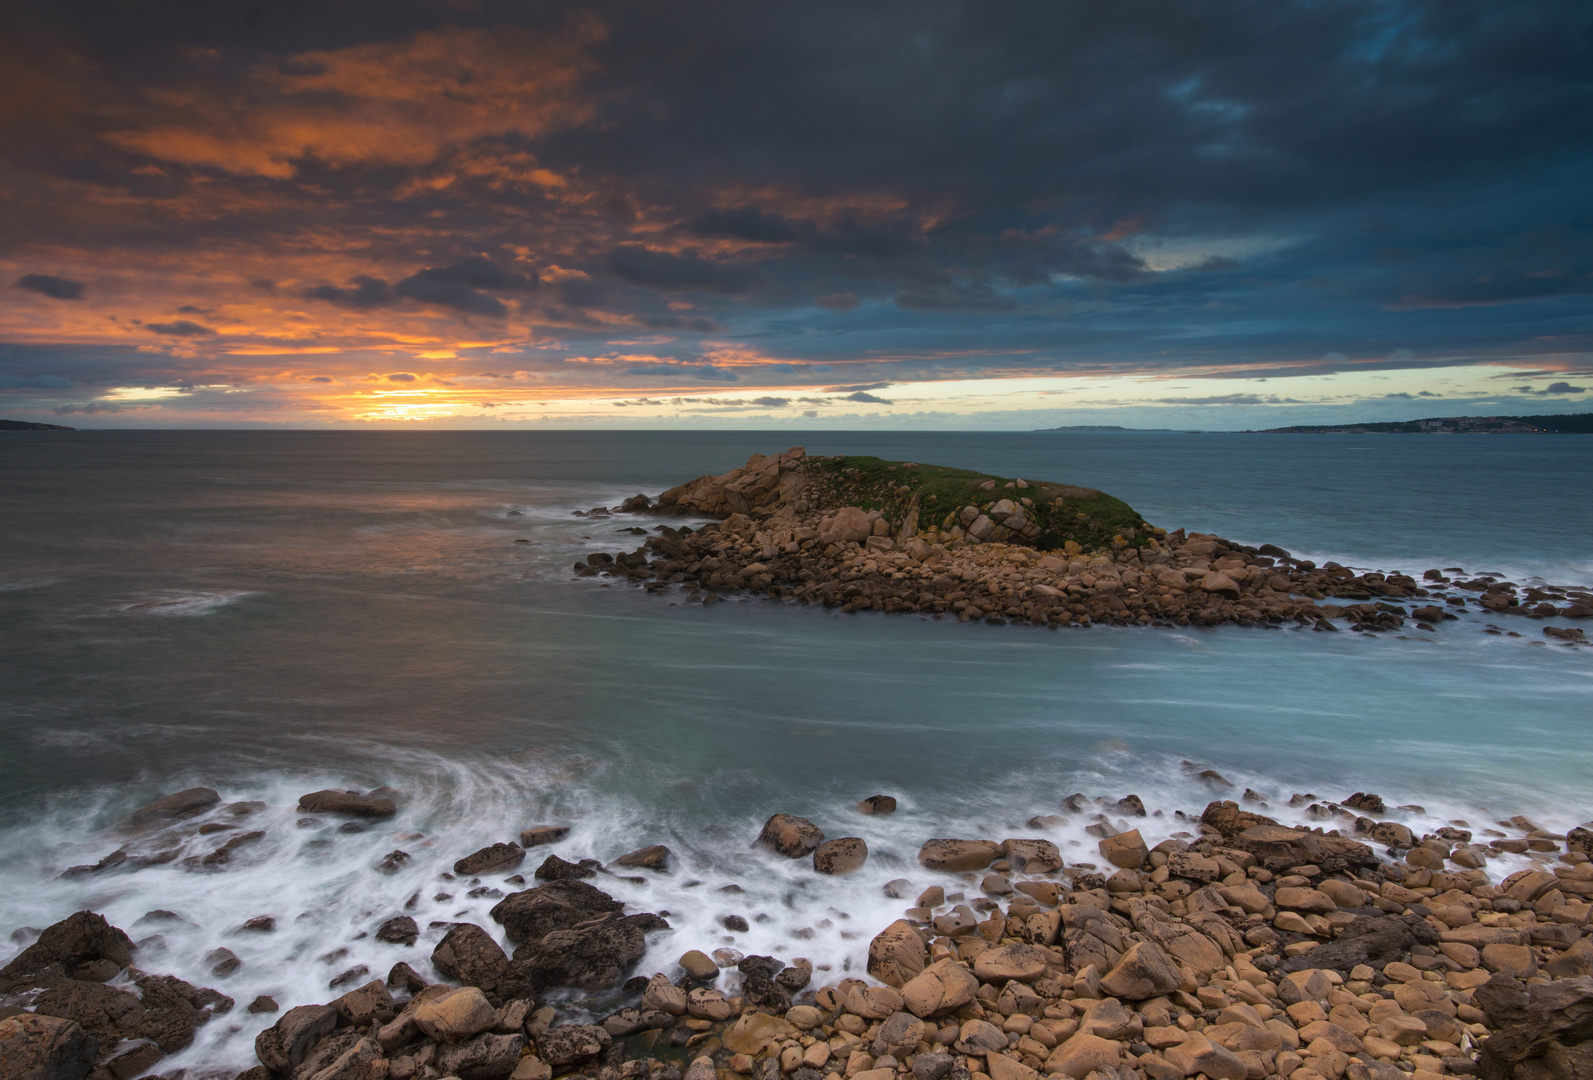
x: 45, y: 1048
x: 283, y: 1046
x: 554, y: 868
x: 878, y: 804
x: 109, y: 862
x: 1552, y: 1039
x: 1370, y: 940
x: 538, y: 835
x: 399, y: 930
x: 532, y: 913
x: 655, y: 857
x: 794, y: 978
x: 134, y: 1061
x: 353, y: 974
x: 593, y: 955
x: 77, y: 939
x: 405, y: 978
x: 262, y: 1004
x: 566, y: 1044
x: 172, y: 807
x: 485, y: 1057
x: 223, y: 962
x: 468, y: 955
x: 932, y: 1066
x: 1131, y: 805
x: 223, y: 854
x: 791, y: 836
x: 370, y: 1003
x: 493, y: 859
x: 1504, y: 999
x: 393, y: 861
x: 260, y: 924
x: 734, y: 923
x: 1366, y: 803
x: 330, y: 1058
x: 347, y: 802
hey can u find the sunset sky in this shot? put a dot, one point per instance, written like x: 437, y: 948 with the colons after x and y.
x: 473, y: 213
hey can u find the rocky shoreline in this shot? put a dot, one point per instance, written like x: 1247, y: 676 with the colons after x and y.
x: 861, y: 534
x: 1236, y: 949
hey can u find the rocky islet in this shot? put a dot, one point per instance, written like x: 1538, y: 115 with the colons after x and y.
x: 861, y: 534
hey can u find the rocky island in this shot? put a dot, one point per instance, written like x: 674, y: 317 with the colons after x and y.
x: 859, y: 533
x: 1237, y: 948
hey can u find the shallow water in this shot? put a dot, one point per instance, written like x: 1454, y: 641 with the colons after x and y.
x: 272, y: 613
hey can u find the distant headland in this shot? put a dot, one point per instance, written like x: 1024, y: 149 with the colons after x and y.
x: 28, y: 425
x: 1557, y: 424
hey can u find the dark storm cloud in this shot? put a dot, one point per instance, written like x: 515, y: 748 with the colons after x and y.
x: 464, y: 286
x: 180, y: 328
x: 745, y: 223
x: 667, y: 272
x: 361, y: 293
x: 57, y: 288
x: 868, y: 399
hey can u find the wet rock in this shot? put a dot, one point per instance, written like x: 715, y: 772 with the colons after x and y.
x: 532, y: 913
x: 399, y: 930
x: 554, y: 868
x: 283, y: 1046
x: 1370, y: 940
x: 492, y: 859
x: 468, y: 954
x: 1366, y: 803
x: 223, y: 962
x: 592, y: 955
x: 393, y: 861
x: 538, y: 835
x: 566, y: 1044
x: 655, y: 857
x: 878, y: 804
x: 77, y: 939
x: 173, y: 807
x: 957, y: 856
x: 349, y: 1057
x: 1023, y: 963
x: 897, y: 954
x: 351, y: 803
x: 369, y: 1004
x: 1032, y: 856
x: 44, y: 1048
x: 262, y: 1004
x: 485, y: 1057
x: 699, y: 965
x: 402, y: 977
x: 663, y: 996
x: 1126, y: 850
x: 840, y: 856
x: 791, y: 836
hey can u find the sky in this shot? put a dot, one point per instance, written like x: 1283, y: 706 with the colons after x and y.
x: 476, y: 213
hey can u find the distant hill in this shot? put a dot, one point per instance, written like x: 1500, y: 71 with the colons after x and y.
x: 1560, y: 423
x: 28, y: 425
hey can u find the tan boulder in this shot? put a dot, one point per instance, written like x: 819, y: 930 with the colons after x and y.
x: 698, y: 964
x: 873, y: 1002
x: 1032, y: 856
x: 456, y: 1015
x: 791, y: 836
x: 841, y: 855
x: 1198, y: 1054
x: 1309, y: 901
x: 1516, y: 961
x: 1126, y: 850
x: 1024, y: 963
x: 1144, y: 972
x: 1083, y: 1054
x: 754, y: 1031
x: 664, y: 996
x: 897, y: 954
x: 979, y: 1037
x: 957, y: 856
x: 1002, y: 1067
x: 940, y: 988
x: 1312, y: 984
x: 848, y: 524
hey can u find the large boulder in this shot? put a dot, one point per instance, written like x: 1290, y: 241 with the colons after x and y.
x: 653, y: 857
x: 456, y: 1015
x: 174, y: 807
x: 1032, y: 856
x: 84, y: 937
x: 351, y: 803
x: 569, y: 1043
x: 942, y: 987
x: 956, y: 856
x: 897, y: 954
x: 1551, y: 1039
x: 492, y: 859
x: 1144, y: 972
x: 283, y: 1046
x: 849, y: 524
x: 841, y: 855
x: 44, y: 1048
x: 791, y: 836
x: 486, y: 1057
x: 468, y: 955
x: 531, y: 914
x: 592, y: 955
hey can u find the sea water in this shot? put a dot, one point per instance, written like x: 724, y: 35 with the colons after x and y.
x: 271, y: 613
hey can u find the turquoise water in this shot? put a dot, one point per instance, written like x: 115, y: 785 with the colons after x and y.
x: 271, y: 613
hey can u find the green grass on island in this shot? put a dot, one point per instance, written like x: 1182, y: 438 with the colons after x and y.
x: 1092, y: 519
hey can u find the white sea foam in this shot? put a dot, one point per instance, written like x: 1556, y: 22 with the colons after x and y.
x: 179, y: 603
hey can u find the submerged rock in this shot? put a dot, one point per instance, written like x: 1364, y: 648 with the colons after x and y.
x: 351, y: 803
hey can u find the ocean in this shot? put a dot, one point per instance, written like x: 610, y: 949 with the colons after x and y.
x: 271, y: 613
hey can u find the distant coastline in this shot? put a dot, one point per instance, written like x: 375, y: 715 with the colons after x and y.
x: 28, y: 425
x: 1556, y: 424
